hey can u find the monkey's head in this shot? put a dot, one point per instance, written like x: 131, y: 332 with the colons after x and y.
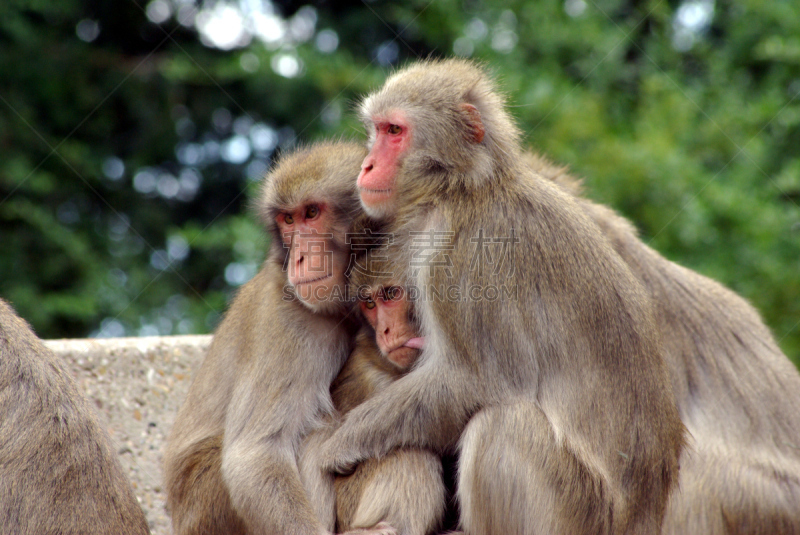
x: 433, y: 126
x: 385, y: 303
x: 309, y: 202
x: 389, y: 312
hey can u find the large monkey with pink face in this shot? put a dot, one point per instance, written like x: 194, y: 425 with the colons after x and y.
x: 546, y: 368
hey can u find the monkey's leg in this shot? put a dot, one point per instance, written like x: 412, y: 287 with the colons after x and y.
x: 724, y: 490
x: 381, y: 528
x: 198, y: 498
x: 403, y: 490
x: 515, y: 478
x: 318, y: 483
x: 266, y: 488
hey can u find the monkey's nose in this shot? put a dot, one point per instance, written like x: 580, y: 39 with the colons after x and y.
x: 364, y: 172
x: 367, y: 164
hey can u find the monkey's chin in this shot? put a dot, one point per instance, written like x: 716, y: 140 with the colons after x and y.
x: 376, y: 203
x: 323, y: 295
x: 326, y: 307
x: 403, y: 357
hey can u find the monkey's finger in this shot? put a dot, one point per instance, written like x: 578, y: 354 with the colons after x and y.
x: 334, y: 461
x: 341, y: 467
x: 381, y: 528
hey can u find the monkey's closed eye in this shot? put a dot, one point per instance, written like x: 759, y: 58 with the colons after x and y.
x: 312, y: 211
x: 394, y: 129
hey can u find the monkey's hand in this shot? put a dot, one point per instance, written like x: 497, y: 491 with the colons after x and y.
x: 428, y: 408
x: 356, y: 439
x: 336, y: 457
x: 381, y: 528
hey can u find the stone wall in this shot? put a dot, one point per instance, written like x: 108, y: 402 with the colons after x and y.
x: 137, y: 384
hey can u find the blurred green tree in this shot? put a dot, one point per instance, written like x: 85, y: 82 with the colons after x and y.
x: 133, y: 135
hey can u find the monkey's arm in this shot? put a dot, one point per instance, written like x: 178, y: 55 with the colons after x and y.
x: 427, y: 408
x: 259, y: 458
x: 197, y: 497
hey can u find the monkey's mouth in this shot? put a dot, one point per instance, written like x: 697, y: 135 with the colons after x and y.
x: 415, y: 343
x: 411, y: 343
x: 405, y: 355
x: 376, y: 201
x: 309, y: 281
x: 379, y: 193
x: 375, y: 196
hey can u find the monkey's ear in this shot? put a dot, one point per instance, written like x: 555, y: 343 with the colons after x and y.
x: 474, y: 122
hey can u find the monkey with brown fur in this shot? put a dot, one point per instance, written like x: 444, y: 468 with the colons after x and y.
x: 404, y: 490
x: 559, y: 394
x: 738, y: 395
x: 262, y: 393
x: 59, y: 473
x: 264, y: 385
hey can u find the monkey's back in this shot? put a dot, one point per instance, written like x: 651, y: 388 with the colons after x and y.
x: 737, y: 393
x: 58, y: 471
x: 722, y: 358
x: 577, y: 313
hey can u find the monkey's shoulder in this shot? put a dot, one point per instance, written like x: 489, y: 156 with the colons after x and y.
x: 266, y: 325
x: 365, y: 372
x: 26, y: 364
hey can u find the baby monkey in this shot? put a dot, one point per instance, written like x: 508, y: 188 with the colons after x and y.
x: 403, y: 492
x: 389, y: 313
x: 387, y: 307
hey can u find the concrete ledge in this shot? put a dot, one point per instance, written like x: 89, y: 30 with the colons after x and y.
x: 138, y: 384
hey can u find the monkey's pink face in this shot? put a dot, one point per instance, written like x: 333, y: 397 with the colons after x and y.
x: 387, y: 313
x: 316, y: 266
x: 377, y: 180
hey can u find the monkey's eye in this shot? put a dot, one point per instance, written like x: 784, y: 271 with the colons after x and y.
x: 392, y: 293
x: 369, y: 304
x: 312, y: 212
x: 394, y: 129
x: 288, y: 219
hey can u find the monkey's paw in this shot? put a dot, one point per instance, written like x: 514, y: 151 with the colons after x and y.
x: 337, y: 458
x: 381, y: 528
x: 336, y: 464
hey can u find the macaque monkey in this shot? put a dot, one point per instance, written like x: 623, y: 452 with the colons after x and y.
x: 388, y: 312
x: 405, y: 489
x: 231, y: 463
x: 737, y: 394
x: 558, y: 391
x: 240, y: 458
x: 58, y: 470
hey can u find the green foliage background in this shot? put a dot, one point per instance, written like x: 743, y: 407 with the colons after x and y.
x: 111, y: 225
